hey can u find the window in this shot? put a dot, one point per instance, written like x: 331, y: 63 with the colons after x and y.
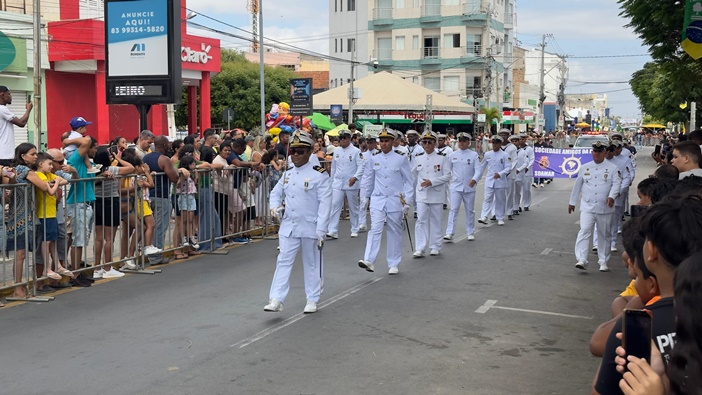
x: 399, y: 43
x: 431, y: 47
x: 399, y: 3
x: 451, y: 83
x: 384, y: 48
x: 351, y: 44
x: 336, y: 8
x: 433, y: 83
x: 336, y: 46
x: 475, y: 90
x: 415, y: 80
x: 351, y: 5
x: 452, y: 40
x: 473, y: 44
x: 341, y: 45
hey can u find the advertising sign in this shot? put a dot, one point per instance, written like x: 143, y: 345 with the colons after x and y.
x: 559, y: 162
x: 300, y: 96
x: 336, y: 113
x: 142, y: 45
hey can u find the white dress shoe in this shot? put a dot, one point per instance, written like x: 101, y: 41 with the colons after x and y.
x: 354, y: 234
x: 418, y: 254
x: 581, y: 265
x: 613, y: 249
x: 333, y: 235
x: 471, y: 237
x: 393, y: 270
x: 448, y: 237
x: 273, y: 306
x: 603, y: 267
x: 362, y: 228
x: 434, y: 252
x: 500, y: 223
x: 366, y: 265
x: 310, y: 307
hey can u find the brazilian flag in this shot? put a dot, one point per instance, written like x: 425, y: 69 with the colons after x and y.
x: 692, y: 29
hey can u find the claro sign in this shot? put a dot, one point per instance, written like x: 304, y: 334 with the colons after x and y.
x: 202, y: 56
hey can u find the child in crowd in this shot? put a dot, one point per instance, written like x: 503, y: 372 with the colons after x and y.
x: 186, y: 191
x: 71, y: 139
x: 46, y: 213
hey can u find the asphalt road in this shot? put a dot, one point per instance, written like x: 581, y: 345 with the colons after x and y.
x: 505, y: 314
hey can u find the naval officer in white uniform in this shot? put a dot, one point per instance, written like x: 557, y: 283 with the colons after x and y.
x: 528, y: 172
x: 372, y: 148
x: 498, y: 167
x: 511, y: 151
x: 303, y: 198
x: 599, y: 183
x: 387, y: 181
x: 465, y: 165
x: 518, y: 174
x: 431, y: 172
x: 346, y: 174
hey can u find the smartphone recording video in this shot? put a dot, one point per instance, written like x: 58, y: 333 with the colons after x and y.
x: 636, y: 333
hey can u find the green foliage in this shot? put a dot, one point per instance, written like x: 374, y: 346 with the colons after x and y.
x: 491, y: 114
x: 238, y: 86
x: 673, y: 77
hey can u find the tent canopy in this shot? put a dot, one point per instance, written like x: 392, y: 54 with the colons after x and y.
x: 387, y: 92
x: 653, y: 126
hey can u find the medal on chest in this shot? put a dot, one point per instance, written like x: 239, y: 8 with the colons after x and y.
x: 306, y: 183
x: 606, y: 175
x: 437, y: 167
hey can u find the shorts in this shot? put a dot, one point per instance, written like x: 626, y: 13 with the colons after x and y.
x: 107, y: 211
x: 143, y: 209
x: 81, y: 215
x: 48, y: 229
x: 6, y: 162
x: 187, y: 203
x: 237, y: 205
x: 22, y: 241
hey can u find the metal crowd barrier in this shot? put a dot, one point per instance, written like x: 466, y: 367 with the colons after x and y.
x: 231, y: 204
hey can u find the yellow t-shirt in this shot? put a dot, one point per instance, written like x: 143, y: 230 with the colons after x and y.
x: 44, y: 200
x: 630, y: 290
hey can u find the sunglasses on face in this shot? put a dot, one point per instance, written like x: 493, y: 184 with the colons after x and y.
x: 298, y: 151
x: 463, y: 139
x: 428, y: 141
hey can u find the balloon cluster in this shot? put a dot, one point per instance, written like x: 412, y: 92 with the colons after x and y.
x: 279, y: 119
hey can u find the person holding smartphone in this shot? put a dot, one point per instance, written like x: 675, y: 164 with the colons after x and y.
x: 8, y: 120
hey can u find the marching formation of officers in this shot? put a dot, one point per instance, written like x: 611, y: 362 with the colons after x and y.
x: 387, y: 180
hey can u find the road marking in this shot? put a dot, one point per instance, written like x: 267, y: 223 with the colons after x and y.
x: 491, y: 304
x: 297, y: 317
x: 546, y: 251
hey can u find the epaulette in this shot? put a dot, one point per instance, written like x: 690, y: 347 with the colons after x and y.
x: 289, y: 168
x: 441, y: 153
x: 419, y: 154
x: 399, y: 152
x: 360, y: 155
x: 320, y: 169
x: 376, y: 153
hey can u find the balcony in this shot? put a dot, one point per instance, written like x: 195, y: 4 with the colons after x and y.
x: 509, y: 20
x: 471, y: 53
x: 430, y: 56
x: 382, y: 16
x: 430, y: 13
x: 17, y: 6
x: 474, y: 91
x: 384, y: 56
x: 475, y: 10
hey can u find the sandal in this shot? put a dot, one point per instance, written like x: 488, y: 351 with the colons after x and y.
x: 65, y: 272
x: 54, y: 276
x: 181, y: 256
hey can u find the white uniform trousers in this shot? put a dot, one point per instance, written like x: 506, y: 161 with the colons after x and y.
x: 494, y: 198
x: 613, y: 229
x: 337, y: 203
x: 518, y: 189
x: 428, y: 226
x: 509, y: 196
x: 468, y: 199
x: 393, y: 221
x: 363, y: 213
x: 526, y: 191
x: 582, y: 243
x: 314, y: 280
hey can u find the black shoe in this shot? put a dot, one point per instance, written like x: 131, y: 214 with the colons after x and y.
x: 79, y: 282
x: 482, y: 222
x: 526, y: 208
x: 445, y: 206
x: 60, y: 285
x: 415, y: 215
x: 45, y: 290
x: 509, y: 217
x: 516, y: 212
x: 493, y: 218
x: 520, y: 209
x: 627, y: 214
x: 86, y: 278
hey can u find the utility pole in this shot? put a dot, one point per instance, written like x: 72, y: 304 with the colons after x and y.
x: 37, y: 73
x: 261, y: 68
x: 429, y: 113
x: 488, y: 58
x: 352, y: 93
x: 542, y: 96
x: 561, y: 92
x: 693, y: 116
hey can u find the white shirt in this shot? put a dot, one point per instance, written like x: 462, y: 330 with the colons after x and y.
x: 596, y: 182
x: 528, y: 161
x: 413, y: 151
x: 385, y: 177
x: 69, y: 149
x: 435, y: 168
x: 347, y: 163
x: 7, y: 133
x: 511, y: 151
x: 495, y: 162
x: 464, y: 165
x: 521, y: 164
x: 446, y: 150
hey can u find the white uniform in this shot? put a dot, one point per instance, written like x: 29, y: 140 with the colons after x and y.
x: 596, y: 183
x: 528, y: 174
x: 412, y: 152
x: 314, y: 161
x: 446, y: 150
x: 465, y: 166
x: 346, y: 163
x: 435, y: 168
x: 519, y: 179
x: 511, y: 151
x: 363, y: 206
x: 306, y: 192
x: 624, y: 165
x: 495, y: 189
x: 385, y: 177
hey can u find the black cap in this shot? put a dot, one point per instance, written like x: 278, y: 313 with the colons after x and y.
x: 3, y: 88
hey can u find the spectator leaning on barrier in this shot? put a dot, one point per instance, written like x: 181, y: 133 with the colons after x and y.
x: 7, y: 122
x: 143, y: 145
x: 159, y: 163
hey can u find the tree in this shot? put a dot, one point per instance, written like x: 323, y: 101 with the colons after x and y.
x: 238, y: 86
x: 491, y: 114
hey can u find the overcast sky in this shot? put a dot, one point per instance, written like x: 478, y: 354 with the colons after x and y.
x: 580, y: 29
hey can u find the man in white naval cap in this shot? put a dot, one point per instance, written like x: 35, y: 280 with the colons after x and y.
x: 527, y: 172
x: 443, y: 148
x: 387, y: 181
x: 303, y: 198
x: 599, y: 184
x: 431, y: 170
x: 464, y: 164
x: 498, y: 167
x: 513, y: 206
x: 372, y: 149
x: 346, y: 173
x: 414, y: 148
x: 511, y: 151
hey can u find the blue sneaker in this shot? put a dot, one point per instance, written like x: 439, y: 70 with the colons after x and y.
x: 240, y: 240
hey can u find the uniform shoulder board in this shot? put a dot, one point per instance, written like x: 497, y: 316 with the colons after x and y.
x: 289, y: 168
x: 420, y: 154
x: 441, y: 153
x: 320, y: 169
x: 360, y: 155
x: 399, y: 152
x: 376, y: 152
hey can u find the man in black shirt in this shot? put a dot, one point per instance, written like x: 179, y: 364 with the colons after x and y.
x: 282, y: 146
x: 208, y: 150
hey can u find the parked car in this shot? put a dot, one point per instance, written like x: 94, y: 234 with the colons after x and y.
x: 586, y: 140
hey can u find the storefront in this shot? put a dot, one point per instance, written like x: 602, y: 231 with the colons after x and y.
x: 75, y: 84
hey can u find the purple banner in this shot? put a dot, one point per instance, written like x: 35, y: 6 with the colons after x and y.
x: 559, y: 162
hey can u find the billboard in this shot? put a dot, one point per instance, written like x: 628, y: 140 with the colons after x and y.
x: 300, y: 96
x: 142, y: 51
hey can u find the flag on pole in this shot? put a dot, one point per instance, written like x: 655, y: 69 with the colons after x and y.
x: 692, y: 29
